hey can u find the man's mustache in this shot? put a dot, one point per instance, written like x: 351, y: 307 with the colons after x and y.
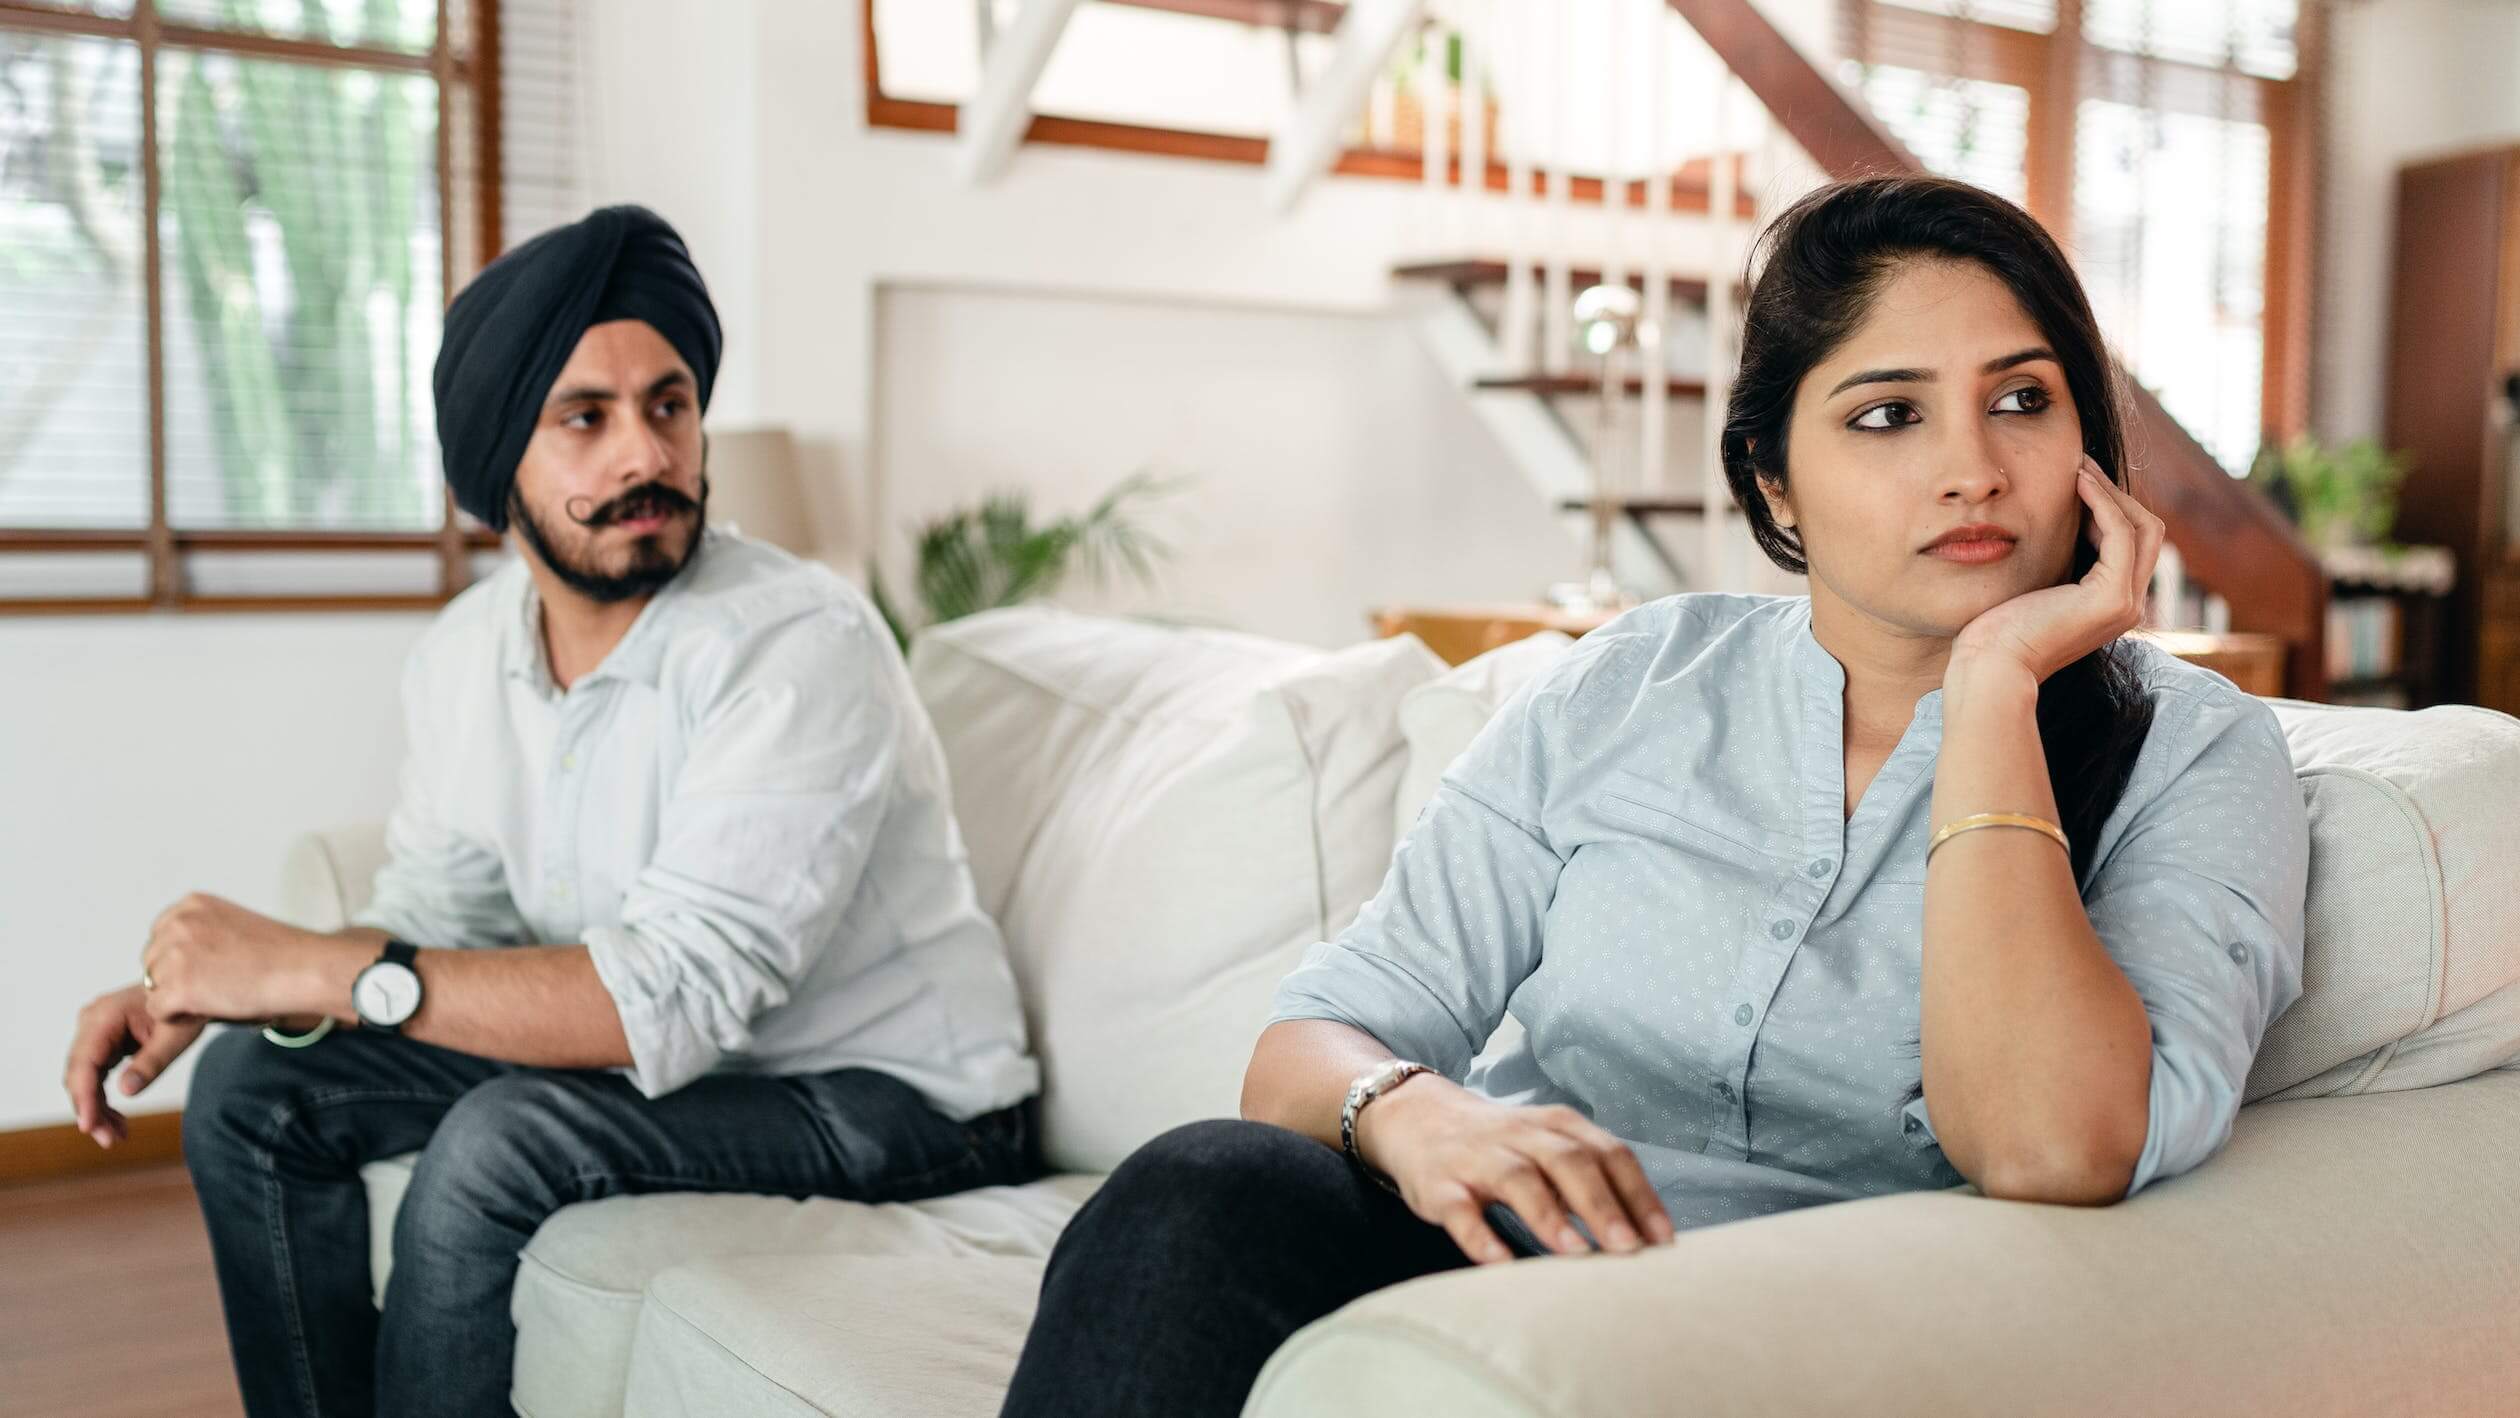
x: 645, y: 500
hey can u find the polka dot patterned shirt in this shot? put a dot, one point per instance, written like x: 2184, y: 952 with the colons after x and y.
x: 1645, y: 857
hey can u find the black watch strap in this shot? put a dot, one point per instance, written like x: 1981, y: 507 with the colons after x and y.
x: 403, y: 953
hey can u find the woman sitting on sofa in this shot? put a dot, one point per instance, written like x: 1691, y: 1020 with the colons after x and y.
x: 1923, y: 879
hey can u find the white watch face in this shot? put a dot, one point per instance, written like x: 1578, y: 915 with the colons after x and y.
x: 386, y: 993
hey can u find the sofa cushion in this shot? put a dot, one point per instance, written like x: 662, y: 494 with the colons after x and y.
x: 2412, y: 975
x: 386, y: 1180
x: 1161, y: 820
x: 329, y: 876
x: 584, y: 1276
x: 1023, y: 699
x: 1441, y: 717
x: 893, y: 1338
x: 2342, y: 1257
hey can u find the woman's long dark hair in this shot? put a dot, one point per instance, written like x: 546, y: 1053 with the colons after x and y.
x: 1819, y: 268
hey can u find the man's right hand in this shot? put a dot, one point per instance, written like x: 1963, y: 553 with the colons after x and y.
x: 112, y: 1027
x: 1451, y: 1152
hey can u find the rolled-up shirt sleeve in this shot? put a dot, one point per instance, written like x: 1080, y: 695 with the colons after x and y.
x: 440, y: 885
x: 1430, y: 964
x: 760, y: 846
x: 2201, y: 904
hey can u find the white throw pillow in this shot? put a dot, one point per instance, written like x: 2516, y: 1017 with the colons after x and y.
x: 1161, y: 820
x: 1440, y: 719
x: 2412, y: 972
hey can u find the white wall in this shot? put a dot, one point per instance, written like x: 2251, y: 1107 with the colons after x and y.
x: 1332, y: 435
x: 143, y: 757
x: 2413, y: 79
x: 846, y: 212
x: 666, y: 118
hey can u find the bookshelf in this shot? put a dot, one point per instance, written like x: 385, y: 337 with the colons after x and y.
x: 2386, y: 614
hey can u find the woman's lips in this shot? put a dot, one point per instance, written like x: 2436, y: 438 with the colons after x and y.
x: 1976, y: 552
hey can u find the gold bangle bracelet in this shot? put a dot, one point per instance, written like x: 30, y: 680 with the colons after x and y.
x: 1997, y: 819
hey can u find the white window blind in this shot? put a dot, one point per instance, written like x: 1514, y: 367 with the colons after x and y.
x: 541, y: 178
x: 1972, y: 129
x: 299, y: 229
x: 302, y: 261
x: 74, y: 385
x: 2168, y: 124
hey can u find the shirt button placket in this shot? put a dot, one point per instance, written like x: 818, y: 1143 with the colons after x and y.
x: 564, y: 844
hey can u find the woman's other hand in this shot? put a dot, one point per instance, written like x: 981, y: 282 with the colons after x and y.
x: 1452, y: 1152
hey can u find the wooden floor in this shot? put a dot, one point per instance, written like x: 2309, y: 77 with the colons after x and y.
x: 107, y: 1305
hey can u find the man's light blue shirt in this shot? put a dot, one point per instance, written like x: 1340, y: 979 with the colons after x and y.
x: 743, y: 814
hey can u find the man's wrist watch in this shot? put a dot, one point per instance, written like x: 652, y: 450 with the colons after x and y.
x: 1370, y: 1085
x: 387, y: 993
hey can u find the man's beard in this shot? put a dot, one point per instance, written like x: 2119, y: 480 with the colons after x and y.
x: 650, y: 566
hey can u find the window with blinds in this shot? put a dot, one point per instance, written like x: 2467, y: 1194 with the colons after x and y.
x: 2154, y: 137
x: 227, y: 229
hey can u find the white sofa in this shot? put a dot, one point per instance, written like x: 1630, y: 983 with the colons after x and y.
x: 1163, y: 819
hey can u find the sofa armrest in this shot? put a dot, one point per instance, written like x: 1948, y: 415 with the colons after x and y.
x: 2341, y: 1256
x: 327, y: 876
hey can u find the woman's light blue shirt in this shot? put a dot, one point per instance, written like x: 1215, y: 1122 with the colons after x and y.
x: 1645, y: 857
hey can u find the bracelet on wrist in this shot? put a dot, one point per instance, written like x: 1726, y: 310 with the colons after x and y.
x: 1364, y: 1090
x: 273, y: 1033
x: 1975, y: 821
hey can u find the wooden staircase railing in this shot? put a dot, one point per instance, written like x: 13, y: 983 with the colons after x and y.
x: 2231, y: 539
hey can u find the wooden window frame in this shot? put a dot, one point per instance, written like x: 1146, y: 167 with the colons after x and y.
x: 1691, y: 186
x: 467, y: 73
x: 2048, y: 68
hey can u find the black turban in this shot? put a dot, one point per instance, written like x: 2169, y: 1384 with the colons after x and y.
x: 511, y: 332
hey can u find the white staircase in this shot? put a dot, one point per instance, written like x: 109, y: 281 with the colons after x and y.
x: 1677, y: 167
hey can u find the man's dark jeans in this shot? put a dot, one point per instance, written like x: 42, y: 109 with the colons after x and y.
x: 275, y: 1139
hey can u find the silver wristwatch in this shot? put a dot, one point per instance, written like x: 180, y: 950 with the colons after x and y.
x: 1370, y: 1085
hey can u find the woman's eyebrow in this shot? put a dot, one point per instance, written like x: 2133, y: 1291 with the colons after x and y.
x: 1882, y: 376
x: 1998, y: 366
x: 1926, y: 376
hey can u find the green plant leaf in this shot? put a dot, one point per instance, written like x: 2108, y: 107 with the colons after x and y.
x: 2347, y: 491
x: 994, y: 554
x: 884, y: 605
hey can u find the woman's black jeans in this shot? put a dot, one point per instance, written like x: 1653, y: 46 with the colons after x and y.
x: 1197, y: 1259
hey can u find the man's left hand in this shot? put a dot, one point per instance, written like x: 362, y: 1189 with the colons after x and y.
x: 209, y: 958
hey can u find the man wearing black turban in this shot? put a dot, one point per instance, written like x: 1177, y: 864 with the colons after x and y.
x: 673, y: 898
x: 622, y: 280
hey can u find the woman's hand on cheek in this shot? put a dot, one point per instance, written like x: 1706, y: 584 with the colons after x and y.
x: 2045, y: 630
